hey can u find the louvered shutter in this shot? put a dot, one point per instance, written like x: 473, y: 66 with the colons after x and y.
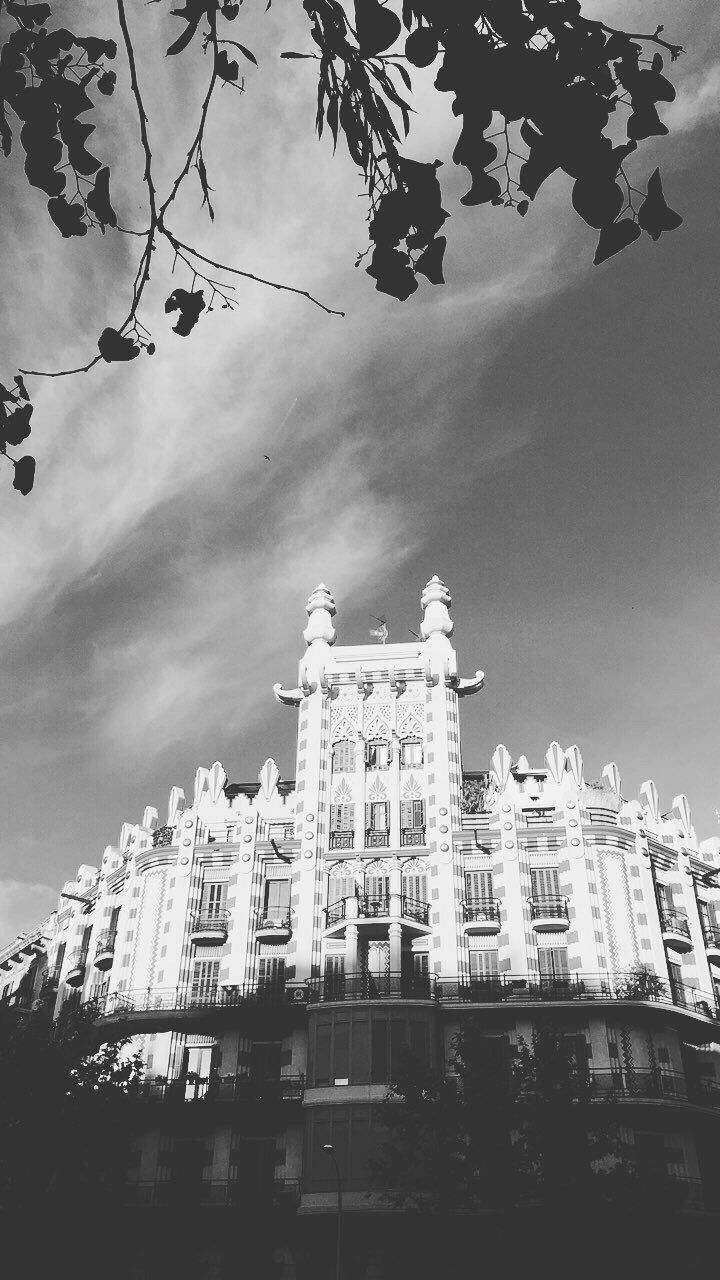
x: 553, y: 963
x: 484, y: 964
x: 340, y: 887
x: 479, y: 885
x: 418, y: 813
x: 214, y: 899
x: 271, y: 971
x: 368, y: 816
x: 277, y: 896
x: 545, y: 882
x: 377, y: 886
x: 415, y: 886
x: 205, y: 980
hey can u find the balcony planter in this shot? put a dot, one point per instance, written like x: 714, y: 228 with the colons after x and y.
x: 549, y: 914
x: 273, y: 926
x: 481, y: 916
x: 209, y: 930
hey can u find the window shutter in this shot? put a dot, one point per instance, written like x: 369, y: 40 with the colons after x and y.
x: 205, y: 980
x: 484, y: 964
x: 415, y: 886
x: 406, y: 814
x: 214, y: 898
x: 479, y: 885
x: 334, y: 817
x: 418, y: 813
x: 545, y: 882
x: 277, y: 896
x: 347, y: 817
x: 553, y: 962
x: 271, y: 971
x: 340, y: 887
x: 368, y: 816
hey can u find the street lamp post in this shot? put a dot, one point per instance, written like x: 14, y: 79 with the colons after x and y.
x: 338, y: 1254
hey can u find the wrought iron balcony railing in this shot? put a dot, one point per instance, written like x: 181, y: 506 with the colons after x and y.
x: 711, y: 934
x: 674, y: 922
x: 374, y: 904
x: 105, y: 942
x: 335, y: 913
x: 215, y: 1088
x: 372, y: 986
x: 341, y: 839
x: 412, y: 836
x: 415, y: 909
x: 251, y: 1194
x: 210, y: 922
x: 278, y: 919
x: 548, y: 907
x: 377, y: 839
x: 483, y: 910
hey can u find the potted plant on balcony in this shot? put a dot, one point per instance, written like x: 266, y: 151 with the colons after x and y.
x: 641, y: 984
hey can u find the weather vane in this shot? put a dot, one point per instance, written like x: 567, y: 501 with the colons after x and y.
x: 381, y: 633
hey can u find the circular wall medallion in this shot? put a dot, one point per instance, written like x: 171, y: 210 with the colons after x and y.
x: 309, y: 853
x: 571, y: 804
x: 247, y: 839
x: 308, y: 835
x: 249, y: 819
x: 572, y: 822
x: 575, y: 841
x: 508, y: 826
x: 444, y: 830
x: 509, y: 844
x: 443, y: 813
x: 311, y: 817
x: 506, y: 808
x: 189, y: 822
x: 186, y: 841
x: 184, y: 861
x: 444, y: 848
x: 246, y: 857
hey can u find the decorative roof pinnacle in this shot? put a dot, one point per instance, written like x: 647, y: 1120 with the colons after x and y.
x: 436, y: 601
x: 321, y: 611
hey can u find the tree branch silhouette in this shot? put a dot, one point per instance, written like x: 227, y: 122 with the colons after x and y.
x: 536, y: 74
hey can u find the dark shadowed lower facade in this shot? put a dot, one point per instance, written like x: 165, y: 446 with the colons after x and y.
x: 274, y: 949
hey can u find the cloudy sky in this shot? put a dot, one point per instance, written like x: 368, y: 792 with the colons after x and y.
x: 539, y: 432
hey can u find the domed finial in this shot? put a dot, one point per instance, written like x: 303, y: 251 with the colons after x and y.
x: 436, y: 601
x: 321, y: 611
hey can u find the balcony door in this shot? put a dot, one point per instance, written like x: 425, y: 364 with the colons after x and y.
x: 204, y: 984
x: 197, y: 1067
x: 545, y: 882
x: 214, y: 900
x: 375, y: 964
x: 377, y: 892
x: 554, y: 968
x: 479, y: 886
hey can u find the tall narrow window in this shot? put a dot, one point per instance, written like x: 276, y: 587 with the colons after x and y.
x: 545, y: 882
x: 377, y: 821
x: 478, y: 886
x: 411, y: 753
x: 412, y: 815
x: 377, y: 754
x: 277, y: 898
x: 483, y: 965
x: 204, y: 985
x: 414, y: 885
x: 343, y: 757
x: 271, y: 974
x: 342, y: 817
x: 214, y: 900
x: 340, y: 887
x: 554, y: 966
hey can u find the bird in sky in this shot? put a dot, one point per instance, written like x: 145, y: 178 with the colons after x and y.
x: 266, y: 457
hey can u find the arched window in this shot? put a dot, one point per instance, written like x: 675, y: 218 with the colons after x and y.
x: 411, y: 753
x: 343, y: 757
x: 377, y: 754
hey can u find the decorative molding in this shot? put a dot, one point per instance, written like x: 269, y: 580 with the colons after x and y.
x: 216, y: 781
x: 555, y: 759
x: 268, y: 778
x: 611, y: 774
x: 501, y: 765
x: 202, y: 780
x: 150, y: 818
x: 176, y: 804
x: 650, y: 799
x: 574, y: 764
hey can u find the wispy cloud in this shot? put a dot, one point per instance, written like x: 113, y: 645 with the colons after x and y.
x: 22, y: 905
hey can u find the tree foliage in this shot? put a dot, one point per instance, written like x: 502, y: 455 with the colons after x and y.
x: 500, y: 1132
x: 65, y: 1107
x: 537, y: 88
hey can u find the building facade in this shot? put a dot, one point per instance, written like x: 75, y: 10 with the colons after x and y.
x: 271, y: 947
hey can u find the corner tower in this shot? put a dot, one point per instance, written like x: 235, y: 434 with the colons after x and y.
x: 377, y: 795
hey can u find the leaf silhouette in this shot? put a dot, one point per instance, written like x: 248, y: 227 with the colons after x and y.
x: 68, y: 218
x: 114, y: 347
x: 430, y: 262
x: 377, y: 27
x: 421, y: 47
x: 98, y: 200
x: 24, y: 474
x: 190, y: 305
x: 654, y: 214
x: 615, y: 238
x: 16, y: 426
x: 226, y: 69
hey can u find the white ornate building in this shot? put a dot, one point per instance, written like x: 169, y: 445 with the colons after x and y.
x: 271, y: 945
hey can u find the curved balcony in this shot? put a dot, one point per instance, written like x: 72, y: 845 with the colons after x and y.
x: 549, y: 914
x: 209, y: 929
x: 336, y: 987
x: 371, y: 906
x: 105, y: 950
x: 415, y: 909
x: 711, y: 934
x: 273, y: 926
x: 481, y: 915
x: 675, y: 930
x: 75, y: 974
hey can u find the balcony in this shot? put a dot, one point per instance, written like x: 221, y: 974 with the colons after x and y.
x: 336, y: 913
x: 481, y: 915
x: 209, y: 928
x: 549, y: 914
x: 377, y: 839
x: 166, y: 1003
x: 372, y: 905
x: 675, y: 930
x: 75, y: 974
x: 341, y: 839
x: 273, y: 926
x: 711, y: 934
x: 105, y: 950
x: 336, y: 987
x: 634, y: 987
x: 415, y: 909
x: 283, y: 1193
x: 216, y: 1088
x: 412, y: 836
